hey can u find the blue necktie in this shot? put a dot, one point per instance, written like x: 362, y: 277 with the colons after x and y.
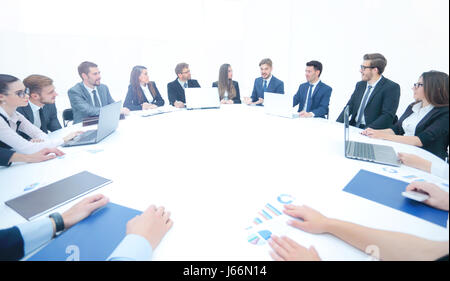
x: 309, y: 100
x: 96, y: 101
x: 363, y: 106
x: 265, y: 86
x: 185, y: 85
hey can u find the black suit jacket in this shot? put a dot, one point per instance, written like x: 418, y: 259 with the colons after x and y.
x: 5, y: 156
x: 132, y: 101
x: 11, y: 244
x: 381, y: 107
x: 432, y: 130
x: 176, y: 93
x: 237, y: 98
x: 49, y: 117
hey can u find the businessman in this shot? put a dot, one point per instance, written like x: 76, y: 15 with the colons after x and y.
x: 313, y: 97
x: 375, y: 100
x: 88, y: 96
x: 175, y: 89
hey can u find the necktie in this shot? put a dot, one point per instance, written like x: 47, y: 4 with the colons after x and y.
x: 185, y: 85
x: 43, y: 122
x: 309, y: 100
x: 96, y: 101
x: 265, y: 86
x: 363, y: 106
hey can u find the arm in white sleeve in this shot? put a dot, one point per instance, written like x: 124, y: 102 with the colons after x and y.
x: 440, y: 169
x: 132, y: 248
x: 35, y: 234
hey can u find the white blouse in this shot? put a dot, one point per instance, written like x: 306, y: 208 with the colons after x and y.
x: 410, y: 123
x: 147, y: 93
x: 9, y: 136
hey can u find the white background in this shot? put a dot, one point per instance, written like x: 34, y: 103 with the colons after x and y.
x: 53, y: 37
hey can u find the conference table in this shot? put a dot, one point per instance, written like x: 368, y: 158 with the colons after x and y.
x: 215, y: 170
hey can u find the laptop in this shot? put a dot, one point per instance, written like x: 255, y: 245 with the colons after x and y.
x: 279, y: 105
x: 376, y: 153
x: 202, y: 98
x: 107, y: 123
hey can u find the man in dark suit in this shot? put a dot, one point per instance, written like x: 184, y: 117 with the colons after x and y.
x: 313, y: 97
x: 41, y: 109
x: 266, y: 83
x: 375, y: 100
x: 88, y: 96
x: 175, y: 89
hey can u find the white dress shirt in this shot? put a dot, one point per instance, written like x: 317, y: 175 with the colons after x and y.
x: 37, y: 118
x: 147, y: 93
x: 182, y: 83
x: 92, y: 95
x: 312, y: 93
x: 268, y: 81
x: 410, y: 123
x: 440, y: 169
x: 9, y: 136
x: 363, y: 120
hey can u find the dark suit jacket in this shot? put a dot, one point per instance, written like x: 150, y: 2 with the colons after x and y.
x: 237, y: 98
x: 176, y: 93
x: 132, y: 101
x: 5, y: 156
x: 275, y: 86
x: 320, y: 98
x: 11, y: 244
x: 49, y: 120
x: 81, y: 102
x: 381, y: 107
x: 432, y: 130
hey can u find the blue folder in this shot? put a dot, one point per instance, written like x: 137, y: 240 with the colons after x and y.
x: 388, y: 191
x: 92, y: 239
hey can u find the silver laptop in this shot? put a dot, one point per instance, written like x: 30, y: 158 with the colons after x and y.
x: 279, y: 105
x: 202, y: 98
x: 107, y: 123
x: 382, y: 154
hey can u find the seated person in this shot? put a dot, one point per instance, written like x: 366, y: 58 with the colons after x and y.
x: 175, y: 89
x: 142, y: 93
x: 8, y: 156
x: 439, y: 169
x: 228, y: 89
x: 425, y: 122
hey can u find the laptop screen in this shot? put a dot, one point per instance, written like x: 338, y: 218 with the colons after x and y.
x: 346, y: 127
x: 108, y: 120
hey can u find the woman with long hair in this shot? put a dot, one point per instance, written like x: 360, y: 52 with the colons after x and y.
x: 142, y: 93
x: 228, y: 89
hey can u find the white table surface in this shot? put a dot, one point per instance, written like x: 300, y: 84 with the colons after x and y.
x: 215, y: 169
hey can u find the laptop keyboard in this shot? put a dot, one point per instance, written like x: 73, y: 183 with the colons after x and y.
x: 362, y: 150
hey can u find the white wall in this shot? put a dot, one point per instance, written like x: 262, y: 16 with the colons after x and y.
x: 52, y: 37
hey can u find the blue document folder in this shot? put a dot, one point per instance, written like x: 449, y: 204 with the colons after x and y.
x: 388, y: 191
x: 92, y: 239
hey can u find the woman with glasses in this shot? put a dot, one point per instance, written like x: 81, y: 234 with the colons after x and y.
x: 425, y: 122
x: 12, y: 95
x: 228, y: 89
x: 142, y: 93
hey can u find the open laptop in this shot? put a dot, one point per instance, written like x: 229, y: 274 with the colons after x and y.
x: 382, y: 154
x: 279, y: 105
x: 107, y: 123
x: 202, y: 98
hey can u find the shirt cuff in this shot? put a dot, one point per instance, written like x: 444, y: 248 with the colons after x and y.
x: 35, y: 234
x: 440, y: 169
x: 132, y: 248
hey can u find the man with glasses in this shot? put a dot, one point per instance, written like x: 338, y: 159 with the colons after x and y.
x: 175, y: 89
x: 375, y: 100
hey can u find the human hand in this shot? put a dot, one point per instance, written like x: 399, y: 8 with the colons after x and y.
x: 124, y: 111
x: 72, y: 135
x: 36, y: 140
x: 286, y: 249
x: 83, y: 209
x: 438, y: 197
x: 178, y: 104
x: 304, y: 114
x: 313, y: 221
x: 43, y: 155
x: 415, y: 161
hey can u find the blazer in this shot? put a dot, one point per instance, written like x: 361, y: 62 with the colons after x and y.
x: 81, y: 102
x: 320, y: 98
x: 132, y: 101
x: 49, y: 117
x: 432, y: 130
x: 11, y: 244
x: 275, y: 86
x: 176, y: 93
x: 5, y: 156
x: 237, y: 98
x: 380, y: 108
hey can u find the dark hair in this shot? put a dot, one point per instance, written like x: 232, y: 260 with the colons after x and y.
x: 316, y: 64
x: 376, y: 61
x: 435, y: 86
x: 136, y: 85
x: 5, y: 80
x: 35, y: 83
x: 179, y: 68
x: 266, y: 61
x: 225, y: 84
x: 84, y: 67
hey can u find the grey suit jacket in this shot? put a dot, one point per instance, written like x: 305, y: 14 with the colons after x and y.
x: 81, y: 101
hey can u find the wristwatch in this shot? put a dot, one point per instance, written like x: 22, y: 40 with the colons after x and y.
x: 59, y: 222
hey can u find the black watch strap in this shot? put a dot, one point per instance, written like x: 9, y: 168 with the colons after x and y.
x: 59, y: 222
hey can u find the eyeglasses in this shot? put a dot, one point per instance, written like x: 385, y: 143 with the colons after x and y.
x: 417, y: 85
x: 22, y: 94
x: 363, y: 67
x: 186, y: 72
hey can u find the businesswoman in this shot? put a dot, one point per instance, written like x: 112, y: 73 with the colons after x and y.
x: 425, y: 122
x: 142, y: 93
x: 228, y: 89
x: 12, y: 95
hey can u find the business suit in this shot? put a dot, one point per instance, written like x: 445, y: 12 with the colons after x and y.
x: 275, y: 86
x: 5, y: 156
x: 237, y: 98
x: 320, y: 98
x: 11, y: 244
x: 175, y: 91
x: 81, y: 102
x: 432, y: 130
x: 381, y: 106
x: 49, y: 117
x: 132, y: 101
